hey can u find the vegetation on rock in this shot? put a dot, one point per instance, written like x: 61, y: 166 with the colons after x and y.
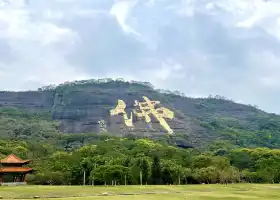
x: 235, y: 143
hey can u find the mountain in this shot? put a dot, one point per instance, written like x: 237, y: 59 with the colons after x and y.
x: 134, y: 108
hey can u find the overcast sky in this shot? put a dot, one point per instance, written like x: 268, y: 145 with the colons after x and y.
x: 200, y: 47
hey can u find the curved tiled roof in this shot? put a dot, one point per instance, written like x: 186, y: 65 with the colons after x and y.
x: 13, y: 159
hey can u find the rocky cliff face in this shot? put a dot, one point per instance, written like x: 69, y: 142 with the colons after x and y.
x: 90, y: 108
x: 124, y: 108
x: 31, y: 100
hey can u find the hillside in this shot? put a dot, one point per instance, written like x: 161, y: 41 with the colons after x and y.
x: 124, y: 109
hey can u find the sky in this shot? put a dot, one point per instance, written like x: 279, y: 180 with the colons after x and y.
x: 199, y: 47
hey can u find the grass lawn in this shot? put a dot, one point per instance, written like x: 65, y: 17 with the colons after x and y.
x: 191, y: 192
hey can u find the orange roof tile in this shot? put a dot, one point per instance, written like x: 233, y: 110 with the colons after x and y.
x: 15, y: 169
x: 13, y: 159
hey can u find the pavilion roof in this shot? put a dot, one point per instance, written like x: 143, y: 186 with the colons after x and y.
x: 15, y: 169
x: 13, y: 159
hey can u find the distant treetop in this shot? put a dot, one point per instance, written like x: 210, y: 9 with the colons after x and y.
x: 53, y: 87
x: 67, y: 84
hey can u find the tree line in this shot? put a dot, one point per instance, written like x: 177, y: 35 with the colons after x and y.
x: 126, y: 161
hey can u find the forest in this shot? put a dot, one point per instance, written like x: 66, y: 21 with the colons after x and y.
x: 112, y: 160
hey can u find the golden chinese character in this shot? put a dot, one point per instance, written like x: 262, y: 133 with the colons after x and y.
x: 148, y: 107
x: 120, y: 109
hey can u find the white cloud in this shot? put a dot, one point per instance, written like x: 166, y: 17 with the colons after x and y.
x: 254, y: 13
x: 201, y: 47
x: 38, y: 47
x: 121, y: 10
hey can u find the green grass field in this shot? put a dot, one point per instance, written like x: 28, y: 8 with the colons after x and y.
x: 191, y: 192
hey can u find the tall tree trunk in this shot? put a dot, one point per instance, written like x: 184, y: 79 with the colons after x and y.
x: 84, y: 180
x: 141, y: 177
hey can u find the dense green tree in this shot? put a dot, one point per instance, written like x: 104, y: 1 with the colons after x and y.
x: 202, y: 161
x: 269, y: 169
x: 156, y: 171
x: 145, y: 169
